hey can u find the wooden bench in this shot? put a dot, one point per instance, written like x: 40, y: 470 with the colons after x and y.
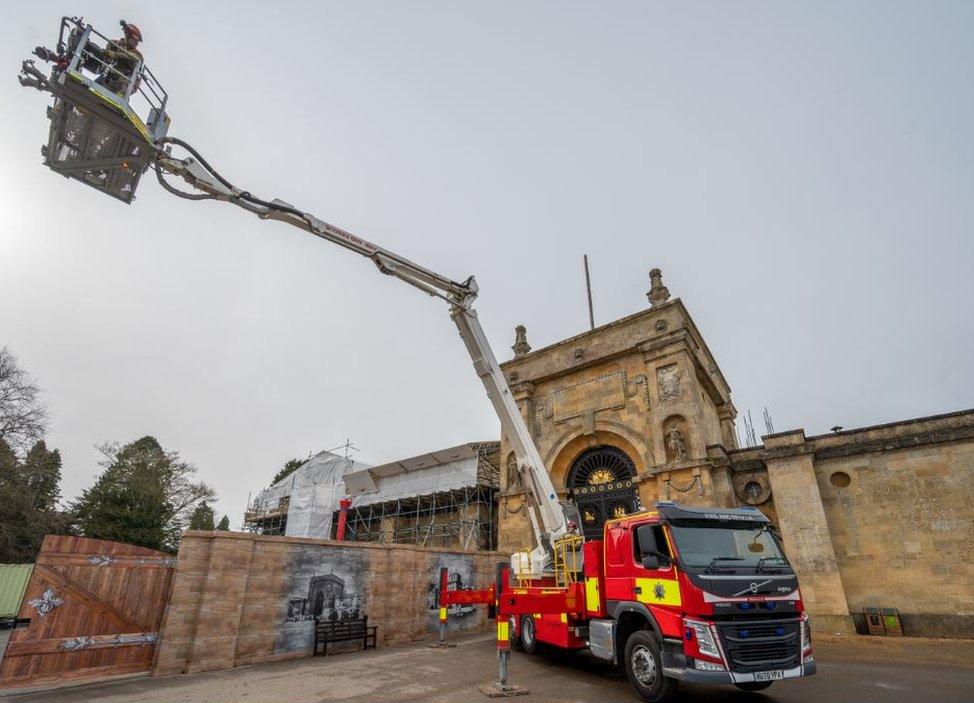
x: 343, y: 631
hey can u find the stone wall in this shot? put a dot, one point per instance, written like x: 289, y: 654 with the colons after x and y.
x: 240, y: 598
x: 902, y: 523
x: 879, y: 516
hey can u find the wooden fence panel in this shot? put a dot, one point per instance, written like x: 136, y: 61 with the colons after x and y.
x: 94, y: 608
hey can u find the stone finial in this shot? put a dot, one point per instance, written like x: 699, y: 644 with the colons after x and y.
x: 521, y: 346
x: 658, y: 293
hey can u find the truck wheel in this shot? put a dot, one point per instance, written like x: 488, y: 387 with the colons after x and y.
x: 514, y: 632
x: 644, y: 668
x: 529, y: 640
x: 754, y: 685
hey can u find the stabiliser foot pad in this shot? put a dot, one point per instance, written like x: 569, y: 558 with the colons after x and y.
x: 499, y: 690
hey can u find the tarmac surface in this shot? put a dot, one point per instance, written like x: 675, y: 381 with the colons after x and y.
x: 853, y: 670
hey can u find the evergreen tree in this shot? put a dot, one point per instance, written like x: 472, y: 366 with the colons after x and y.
x: 42, y: 472
x: 29, y: 503
x: 202, y: 518
x: 288, y: 469
x: 144, y: 496
x: 224, y: 525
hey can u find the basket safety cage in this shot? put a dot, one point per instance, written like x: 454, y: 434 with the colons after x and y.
x: 109, y: 110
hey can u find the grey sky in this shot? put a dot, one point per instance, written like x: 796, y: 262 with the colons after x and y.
x: 803, y: 173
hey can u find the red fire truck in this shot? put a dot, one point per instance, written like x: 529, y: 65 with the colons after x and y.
x: 677, y: 593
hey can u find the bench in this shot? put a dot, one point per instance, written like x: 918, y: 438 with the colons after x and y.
x: 343, y: 631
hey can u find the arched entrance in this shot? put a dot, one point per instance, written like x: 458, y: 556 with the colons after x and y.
x: 600, y: 482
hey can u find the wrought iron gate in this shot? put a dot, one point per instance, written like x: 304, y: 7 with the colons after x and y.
x: 600, y: 482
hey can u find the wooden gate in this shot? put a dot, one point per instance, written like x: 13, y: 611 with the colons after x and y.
x: 94, y: 608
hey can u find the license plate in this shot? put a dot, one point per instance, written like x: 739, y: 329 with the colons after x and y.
x: 773, y: 675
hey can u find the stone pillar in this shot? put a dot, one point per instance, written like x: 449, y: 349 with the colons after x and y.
x: 523, y: 393
x: 807, y: 541
x: 726, y: 413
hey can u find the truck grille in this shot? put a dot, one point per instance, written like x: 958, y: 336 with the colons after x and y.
x: 759, y: 645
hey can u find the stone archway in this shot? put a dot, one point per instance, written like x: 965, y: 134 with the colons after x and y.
x: 601, y: 483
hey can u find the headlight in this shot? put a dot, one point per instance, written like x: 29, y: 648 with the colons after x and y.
x: 705, y: 638
x: 806, y: 634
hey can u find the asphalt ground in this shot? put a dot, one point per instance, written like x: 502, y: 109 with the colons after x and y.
x: 851, y: 670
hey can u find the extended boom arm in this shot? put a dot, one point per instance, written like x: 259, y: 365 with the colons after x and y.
x: 547, y: 514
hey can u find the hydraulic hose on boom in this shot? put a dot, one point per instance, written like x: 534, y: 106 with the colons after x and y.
x: 549, y: 518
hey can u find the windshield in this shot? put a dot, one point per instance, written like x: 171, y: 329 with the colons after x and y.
x: 728, y: 547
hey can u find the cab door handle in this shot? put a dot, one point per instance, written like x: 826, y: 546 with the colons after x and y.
x: 637, y: 589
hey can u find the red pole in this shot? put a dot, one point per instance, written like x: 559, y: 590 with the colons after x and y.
x: 343, y: 505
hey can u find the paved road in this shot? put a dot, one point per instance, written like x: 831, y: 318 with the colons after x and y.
x: 905, y: 672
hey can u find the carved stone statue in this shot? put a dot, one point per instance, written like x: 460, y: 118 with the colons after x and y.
x: 513, y: 475
x: 521, y: 346
x: 676, y: 444
x: 658, y: 293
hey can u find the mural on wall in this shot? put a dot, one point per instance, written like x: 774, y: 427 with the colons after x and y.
x: 459, y: 617
x: 325, y: 584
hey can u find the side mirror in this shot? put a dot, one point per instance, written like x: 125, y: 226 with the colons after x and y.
x: 656, y: 561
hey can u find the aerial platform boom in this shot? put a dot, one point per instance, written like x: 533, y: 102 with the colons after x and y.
x: 548, y: 515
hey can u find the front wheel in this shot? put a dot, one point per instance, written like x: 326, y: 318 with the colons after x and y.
x: 754, y: 685
x: 529, y: 640
x: 644, y: 668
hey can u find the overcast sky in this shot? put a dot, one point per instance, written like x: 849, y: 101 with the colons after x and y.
x: 802, y: 173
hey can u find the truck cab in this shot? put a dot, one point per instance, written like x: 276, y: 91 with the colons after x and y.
x: 704, y: 595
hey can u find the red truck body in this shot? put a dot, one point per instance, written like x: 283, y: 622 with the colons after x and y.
x: 694, y: 594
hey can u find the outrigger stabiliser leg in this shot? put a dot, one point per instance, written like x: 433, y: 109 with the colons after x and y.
x: 501, y: 688
x: 444, y: 585
x: 491, y: 598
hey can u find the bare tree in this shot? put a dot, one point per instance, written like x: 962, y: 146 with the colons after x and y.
x: 23, y: 418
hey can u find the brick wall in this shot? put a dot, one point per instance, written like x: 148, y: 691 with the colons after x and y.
x: 241, y: 598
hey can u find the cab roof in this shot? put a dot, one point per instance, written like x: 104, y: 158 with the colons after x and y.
x: 673, y: 511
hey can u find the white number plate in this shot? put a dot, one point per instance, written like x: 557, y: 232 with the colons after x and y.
x: 773, y: 675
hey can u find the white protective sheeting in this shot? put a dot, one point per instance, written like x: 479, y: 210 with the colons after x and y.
x: 443, y: 470
x: 313, y: 490
x: 316, y: 487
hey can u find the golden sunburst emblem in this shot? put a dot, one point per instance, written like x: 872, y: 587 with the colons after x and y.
x: 601, y: 476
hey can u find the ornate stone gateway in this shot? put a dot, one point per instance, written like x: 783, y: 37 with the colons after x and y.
x: 600, y: 482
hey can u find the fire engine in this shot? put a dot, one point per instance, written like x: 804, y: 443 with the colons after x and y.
x: 677, y: 593
x: 673, y: 594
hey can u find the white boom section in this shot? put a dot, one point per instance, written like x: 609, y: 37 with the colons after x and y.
x: 550, y: 523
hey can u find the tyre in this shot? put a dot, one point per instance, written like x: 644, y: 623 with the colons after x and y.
x: 514, y: 632
x: 754, y: 685
x: 529, y: 640
x: 644, y: 668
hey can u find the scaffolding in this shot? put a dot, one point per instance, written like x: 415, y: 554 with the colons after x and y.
x: 267, y: 521
x: 464, y: 517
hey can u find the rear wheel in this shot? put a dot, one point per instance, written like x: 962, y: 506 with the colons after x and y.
x: 754, y: 685
x: 644, y: 668
x: 514, y: 632
x: 529, y: 641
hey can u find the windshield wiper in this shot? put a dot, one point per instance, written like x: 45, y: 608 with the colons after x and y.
x: 759, y: 570
x: 713, y: 562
